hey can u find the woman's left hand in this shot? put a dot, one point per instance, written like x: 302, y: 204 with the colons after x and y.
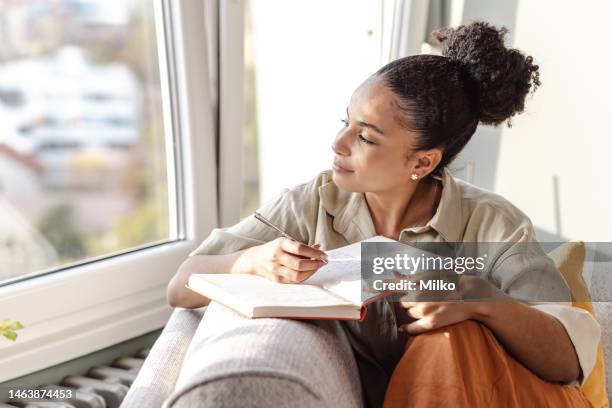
x: 432, y: 315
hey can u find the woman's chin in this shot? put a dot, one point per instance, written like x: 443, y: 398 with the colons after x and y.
x: 341, y: 179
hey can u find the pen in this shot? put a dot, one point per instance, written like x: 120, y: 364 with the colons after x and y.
x: 263, y: 219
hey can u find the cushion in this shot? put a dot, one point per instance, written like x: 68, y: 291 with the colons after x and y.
x: 569, y: 259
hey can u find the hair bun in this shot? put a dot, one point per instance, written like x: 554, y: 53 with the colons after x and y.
x: 502, y: 76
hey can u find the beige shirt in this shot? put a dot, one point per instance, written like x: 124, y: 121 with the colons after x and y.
x: 320, y: 212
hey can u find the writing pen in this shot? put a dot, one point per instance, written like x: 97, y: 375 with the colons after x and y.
x: 266, y: 221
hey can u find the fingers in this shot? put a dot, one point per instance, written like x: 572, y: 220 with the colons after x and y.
x: 433, y: 315
x: 298, y: 248
x: 298, y: 264
x: 289, y: 261
x: 288, y: 275
x: 296, y: 270
x: 430, y: 307
x: 419, y: 326
x: 419, y: 310
x: 415, y: 312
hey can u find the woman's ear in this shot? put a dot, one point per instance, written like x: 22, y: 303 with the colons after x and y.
x: 428, y: 160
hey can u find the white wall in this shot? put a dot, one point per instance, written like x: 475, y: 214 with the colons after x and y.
x: 566, y: 131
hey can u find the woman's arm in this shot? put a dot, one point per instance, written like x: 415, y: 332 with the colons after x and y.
x: 281, y: 260
x: 179, y: 296
x: 536, y: 339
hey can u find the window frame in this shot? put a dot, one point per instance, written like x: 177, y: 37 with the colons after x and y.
x: 404, y: 23
x: 83, y: 308
x: 231, y: 109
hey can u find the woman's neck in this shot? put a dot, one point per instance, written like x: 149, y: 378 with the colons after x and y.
x: 408, y: 206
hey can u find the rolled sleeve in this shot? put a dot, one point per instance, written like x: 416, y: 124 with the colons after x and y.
x: 248, y: 232
x: 240, y: 236
x: 527, y: 274
x: 536, y: 281
x: 582, y: 329
x: 530, y: 276
x: 292, y: 210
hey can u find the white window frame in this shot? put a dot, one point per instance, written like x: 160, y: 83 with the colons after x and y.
x: 231, y: 109
x: 404, y: 23
x: 84, y: 308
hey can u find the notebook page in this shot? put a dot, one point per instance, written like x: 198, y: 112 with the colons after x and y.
x: 255, y: 291
x: 342, y: 275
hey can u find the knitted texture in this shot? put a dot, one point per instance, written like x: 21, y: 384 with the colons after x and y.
x: 234, y: 361
x: 157, y: 377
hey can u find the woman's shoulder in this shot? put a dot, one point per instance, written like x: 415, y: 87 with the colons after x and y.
x: 492, y: 211
x: 310, y: 189
x: 322, y: 178
x: 305, y: 196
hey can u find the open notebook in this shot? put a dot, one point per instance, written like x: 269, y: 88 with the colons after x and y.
x: 333, y: 292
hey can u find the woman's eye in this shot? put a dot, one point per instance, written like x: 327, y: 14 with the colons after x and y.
x: 345, y: 121
x: 364, y: 140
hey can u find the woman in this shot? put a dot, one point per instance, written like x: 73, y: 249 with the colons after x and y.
x: 404, y: 125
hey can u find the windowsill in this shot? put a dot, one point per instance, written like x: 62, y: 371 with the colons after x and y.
x: 101, y: 305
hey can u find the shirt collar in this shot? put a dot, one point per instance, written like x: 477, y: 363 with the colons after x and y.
x: 448, y: 219
x: 351, y: 216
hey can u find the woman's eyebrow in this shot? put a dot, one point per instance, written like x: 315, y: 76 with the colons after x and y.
x: 366, y: 124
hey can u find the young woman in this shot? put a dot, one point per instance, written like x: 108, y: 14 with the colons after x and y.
x: 403, y: 126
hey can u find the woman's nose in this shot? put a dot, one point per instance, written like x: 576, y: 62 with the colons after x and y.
x: 340, y: 145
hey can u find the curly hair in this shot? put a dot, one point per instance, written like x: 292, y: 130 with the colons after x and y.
x: 476, y: 80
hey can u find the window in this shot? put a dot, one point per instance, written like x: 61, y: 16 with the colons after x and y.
x: 165, y: 142
x: 82, y: 153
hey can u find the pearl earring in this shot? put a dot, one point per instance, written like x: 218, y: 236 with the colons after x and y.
x: 414, y: 176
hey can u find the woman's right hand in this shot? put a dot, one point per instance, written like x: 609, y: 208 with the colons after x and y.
x: 282, y: 260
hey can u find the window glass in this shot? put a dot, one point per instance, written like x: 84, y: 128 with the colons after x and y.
x: 82, y: 153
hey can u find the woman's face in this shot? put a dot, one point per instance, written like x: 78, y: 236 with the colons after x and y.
x: 373, y: 152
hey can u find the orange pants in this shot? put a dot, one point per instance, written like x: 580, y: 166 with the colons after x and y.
x: 464, y: 365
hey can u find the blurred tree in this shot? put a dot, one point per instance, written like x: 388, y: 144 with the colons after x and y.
x: 57, y: 227
x: 144, y: 177
x: 137, y: 48
x: 144, y: 181
x: 148, y: 222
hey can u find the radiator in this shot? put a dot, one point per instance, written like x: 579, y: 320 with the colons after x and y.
x: 101, y: 387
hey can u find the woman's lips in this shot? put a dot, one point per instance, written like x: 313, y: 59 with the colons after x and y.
x: 337, y: 167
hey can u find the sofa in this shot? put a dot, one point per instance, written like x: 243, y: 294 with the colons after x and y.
x: 208, y: 356
x: 204, y: 358
x: 214, y: 357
